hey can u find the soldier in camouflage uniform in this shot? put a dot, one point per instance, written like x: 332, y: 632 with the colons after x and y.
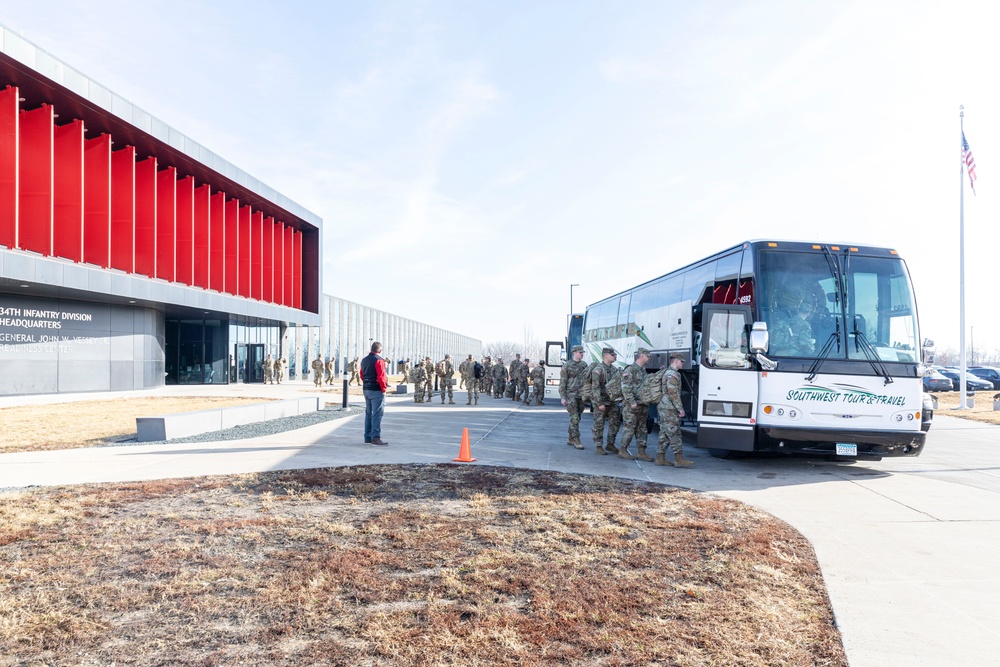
x: 445, y: 371
x: 634, y: 413
x: 571, y: 379
x: 606, y: 394
x: 790, y: 332
x: 471, y: 381
x: 671, y: 411
x: 522, y: 380
x: 486, y: 383
x: 463, y: 372
x: 329, y: 371
x: 279, y: 370
x: 538, y: 382
x: 317, y: 367
x: 428, y: 378
x: 405, y: 370
x: 514, y: 375
x: 499, y: 379
x: 418, y: 376
x: 269, y: 370
x: 353, y: 367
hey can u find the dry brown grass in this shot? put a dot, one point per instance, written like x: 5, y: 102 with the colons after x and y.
x: 982, y: 412
x: 404, y: 565
x: 29, y: 428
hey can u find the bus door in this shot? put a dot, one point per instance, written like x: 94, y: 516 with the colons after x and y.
x: 554, y: 355
x: 727, y: 380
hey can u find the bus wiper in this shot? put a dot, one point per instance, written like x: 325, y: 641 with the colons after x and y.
x: 861, y: 343
x: 825, y: 352
x: 835, y: 272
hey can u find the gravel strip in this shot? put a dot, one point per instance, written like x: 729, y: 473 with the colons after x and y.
x: 269, y: 427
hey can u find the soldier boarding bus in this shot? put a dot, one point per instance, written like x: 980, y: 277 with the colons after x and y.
x: 788, y: 347
x: 555, y: 354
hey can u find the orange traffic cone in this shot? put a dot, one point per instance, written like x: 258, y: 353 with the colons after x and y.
x: 464, y: 452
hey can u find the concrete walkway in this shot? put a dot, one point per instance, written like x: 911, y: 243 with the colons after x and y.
x: 907, y: 546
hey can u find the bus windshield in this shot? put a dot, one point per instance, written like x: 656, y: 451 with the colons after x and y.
x: 857, y: 307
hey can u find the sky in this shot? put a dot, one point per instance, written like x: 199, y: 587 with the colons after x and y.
x: 472, y: 160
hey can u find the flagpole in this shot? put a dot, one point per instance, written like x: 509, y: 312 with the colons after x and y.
x: 963, y: 404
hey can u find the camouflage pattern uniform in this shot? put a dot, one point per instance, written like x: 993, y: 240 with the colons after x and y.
x: 404, y: 368
x: 514, y: 374
x: 444, y: 378
x: 429, y: 378
x: 486, y: 383
x: 463, y: 372
x: 538, y: 382
x: 471, y: 383
x: 669, y: 409
x: 352, y: 368
x: 418, y: 376
x: 634, y: 413
x: 522, y: 380
x: 269, y: 370
x: 317, y: 366
x: 499, y: 379
x: 571, y: 378
x: 329, y: 371
x: 606, y: 390
x: 279, y: 369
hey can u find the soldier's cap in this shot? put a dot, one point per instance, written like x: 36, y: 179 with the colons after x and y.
x: 643, y: 350
x: 608, y: 350
x: 578, y: 348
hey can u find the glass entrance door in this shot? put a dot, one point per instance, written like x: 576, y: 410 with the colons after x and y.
x: 249, y: 362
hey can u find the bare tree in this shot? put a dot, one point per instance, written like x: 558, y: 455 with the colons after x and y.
x: 531, y: 348
x: 503, y: 349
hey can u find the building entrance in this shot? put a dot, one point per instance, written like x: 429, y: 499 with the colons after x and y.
x: 249, y: 362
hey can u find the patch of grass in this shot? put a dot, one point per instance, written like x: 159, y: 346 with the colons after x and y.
x: 32, y: 428
x: 405, y: 565
x: 982, y: 412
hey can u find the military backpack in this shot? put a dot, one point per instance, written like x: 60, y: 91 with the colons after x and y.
x: 651, y: 390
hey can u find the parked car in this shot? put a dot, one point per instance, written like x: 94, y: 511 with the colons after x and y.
x: 972, y: 383
x: 987, y: 373
x: 934, y: 381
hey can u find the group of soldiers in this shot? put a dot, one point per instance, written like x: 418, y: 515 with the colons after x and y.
x: 486, y: 377
x: 274, y: 370
x: 622, y: 397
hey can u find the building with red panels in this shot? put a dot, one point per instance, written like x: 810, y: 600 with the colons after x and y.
x: 130, y: 255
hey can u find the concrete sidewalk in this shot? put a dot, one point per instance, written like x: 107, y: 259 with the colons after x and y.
x: 906, y: 545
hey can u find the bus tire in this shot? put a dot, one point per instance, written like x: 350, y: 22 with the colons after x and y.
x: 723, y: 453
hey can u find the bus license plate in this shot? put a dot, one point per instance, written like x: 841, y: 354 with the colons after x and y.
x: 846, y: 450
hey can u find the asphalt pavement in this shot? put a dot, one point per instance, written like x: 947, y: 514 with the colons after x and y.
x: 906, y: 546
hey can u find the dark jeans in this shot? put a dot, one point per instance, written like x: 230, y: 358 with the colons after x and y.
x: 374, y: 407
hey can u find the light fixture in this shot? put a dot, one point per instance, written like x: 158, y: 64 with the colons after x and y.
x: 25, y: 285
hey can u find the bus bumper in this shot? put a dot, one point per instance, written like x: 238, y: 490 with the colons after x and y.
x: 871, y: 445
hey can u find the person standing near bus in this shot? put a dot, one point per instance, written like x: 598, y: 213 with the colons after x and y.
x: 571, y: 379
x: 606, y: 392
x: 671, y: 411
x: 634, y: 413
x: 538, y: 382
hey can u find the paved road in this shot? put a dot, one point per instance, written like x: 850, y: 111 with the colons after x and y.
x: 907, y: 546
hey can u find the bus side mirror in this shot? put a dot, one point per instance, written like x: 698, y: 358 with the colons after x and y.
x: 759, y: 338
x: 928, y: 351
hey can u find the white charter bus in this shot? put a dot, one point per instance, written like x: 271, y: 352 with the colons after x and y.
x: 788, y: 347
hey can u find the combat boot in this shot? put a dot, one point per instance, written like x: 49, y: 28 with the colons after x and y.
x: 576, y: 443
x: 642, y: 455
x: 662, y: 460
x: 682, y: 462
x: 623, y: 453
x: 600, y: 450
x: 610, y: 448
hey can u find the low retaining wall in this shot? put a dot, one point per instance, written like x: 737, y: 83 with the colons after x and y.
x: 183, y: 424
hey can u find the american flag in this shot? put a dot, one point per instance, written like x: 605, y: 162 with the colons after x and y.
x: 970, y: 163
